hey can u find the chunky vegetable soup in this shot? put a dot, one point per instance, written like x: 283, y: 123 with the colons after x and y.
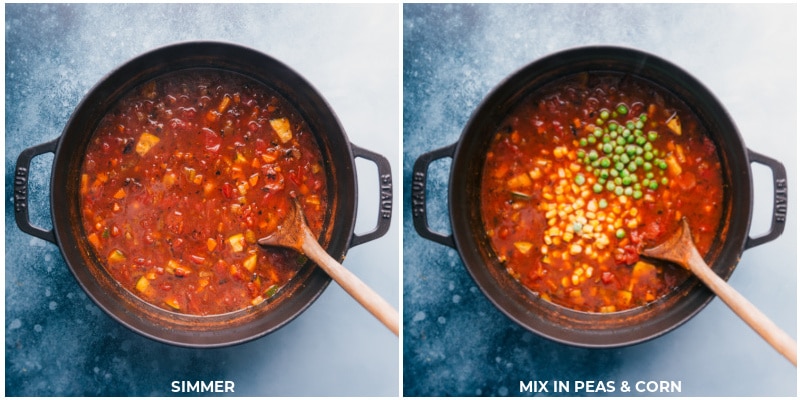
x: 184, y: 175
x: 584, y: 173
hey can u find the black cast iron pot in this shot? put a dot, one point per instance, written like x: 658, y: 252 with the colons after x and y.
x: 179, y: 329
x: 558, y: 323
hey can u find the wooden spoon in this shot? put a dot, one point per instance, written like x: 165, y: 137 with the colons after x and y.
x: 294, y: 233
x: 680, y: 249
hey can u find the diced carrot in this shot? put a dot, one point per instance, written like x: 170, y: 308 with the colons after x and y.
x: 223, y: 105
x: 94, y: 239
x: 120, y: 194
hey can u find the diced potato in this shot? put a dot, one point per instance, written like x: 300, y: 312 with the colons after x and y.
x: 250, y: 262
x: 116, y: 256
x: 673, y: 166
x: 283, y: 128
x: 519, y: 181
x: 169, y: 179
x: 237, y: 242
x: 172, y: 302
x: 142, y: 284
x: 674, y: 124
x: 146, y: 142
x: 175, y: 268
x: 523, y: 247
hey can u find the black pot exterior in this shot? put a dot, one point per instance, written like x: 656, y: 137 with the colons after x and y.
x: 559, y: 323
x: 186, y: 330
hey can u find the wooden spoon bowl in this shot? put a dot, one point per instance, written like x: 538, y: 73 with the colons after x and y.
x: 293, y: 232
x: 680, y: 249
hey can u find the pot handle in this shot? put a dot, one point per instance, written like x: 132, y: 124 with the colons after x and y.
x: 21, y: 190
x: 419, y: 182
x: 780, y: 198
x: 385, y: 192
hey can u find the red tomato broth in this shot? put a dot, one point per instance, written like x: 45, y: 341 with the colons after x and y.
x: 182, y: 177
x: 567, y: 227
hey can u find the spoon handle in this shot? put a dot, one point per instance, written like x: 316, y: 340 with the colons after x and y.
x: 773, y: 334
x: 367, y: 297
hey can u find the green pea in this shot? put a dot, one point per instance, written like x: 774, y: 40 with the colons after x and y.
x: 648, y: 146
x: 577, y: 227
x: 603, y: 173
x: 619, y: 150
x: 620, y: 233
x: 639, y: 124
x: 583, y: 142
x: 641, y: 141
x: 637, y: 186
x: 610, y: 186
x: 606, y: 139
x: 613, y: 173
x: 591, y: 140
x: 652, y: 135
x: 639, y: 161
x: 612, y: 126
x: 602, y: 203
x: 621, y: 141
x: 598, y: 132
x: 630, y: 125
x: 628, y: 191
x: 649, y: 175
x: 653, y: 185
x: 664, y: 181
x: 608, y: 148
x: 648, y: 155
x: 622, y: 109
x: 581, y: 153
x: 631, y: 150
x: 626, y: 181
x: 619, y: 191
x: 619, y: 166
x: 599, y: 121
x: 605, y: 162
x: 624, y: 158
x: 643, y: 117
x: 580, y: 179
x: 662, y: 164
x: 597, y: 188
x: 637, y: 194
x: 632, y: 167
x: 604, y: 114
x: 618, y: 181
x: 593, y: 155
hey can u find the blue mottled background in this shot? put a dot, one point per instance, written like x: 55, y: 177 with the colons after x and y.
x: 456, y: 342
x: 57, y: 342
